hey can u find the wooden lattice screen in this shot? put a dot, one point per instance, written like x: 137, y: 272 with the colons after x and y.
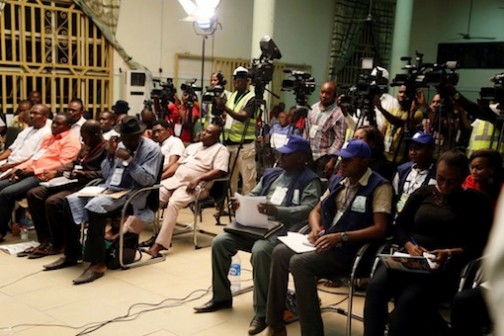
x: 52, y: 47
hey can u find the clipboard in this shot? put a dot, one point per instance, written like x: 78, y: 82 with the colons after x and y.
x: 253, y: 232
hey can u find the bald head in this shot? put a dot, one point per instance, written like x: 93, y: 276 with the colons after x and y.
x: 327, y: 93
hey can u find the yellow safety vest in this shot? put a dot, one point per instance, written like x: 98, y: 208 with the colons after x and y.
x: 481, y: 137
x: 235, y: 132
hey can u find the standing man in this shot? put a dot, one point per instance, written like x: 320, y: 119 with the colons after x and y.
x: 387, y: 101
x: 240, y: 125
x: 355, y: 209
x: 56, y: 150
x: 325, y: 129
x: 76, y: 111
x: 292, y: 191
x: 132, y: 162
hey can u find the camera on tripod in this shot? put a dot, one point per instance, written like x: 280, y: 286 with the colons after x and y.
x: 165, y: 91
x: 303, y: 85
x: 189, y: 90
x: 261, y: 71
x: 494, y: 94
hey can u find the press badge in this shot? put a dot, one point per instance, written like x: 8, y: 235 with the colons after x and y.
x: 78, y: 167
x: 402, y: 200
x: 313, y: 131
x: 278, y: 195
x: 117, y: 177
x: 388, y: 143
x: 39, y: 154
x: 295, y: 198
x: 177, y: 129
x: 359, y: 204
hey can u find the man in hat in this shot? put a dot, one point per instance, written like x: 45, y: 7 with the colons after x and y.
x: 354, y: 210
x: 55, y: 150
x: 240, y: 125
x: 420, y: 171
x: 132, y: 162
x: 292, y: 191
x: 201, y: 161
x: 121, y: 107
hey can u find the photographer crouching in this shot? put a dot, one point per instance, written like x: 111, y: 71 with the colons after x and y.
x: 240, y: 124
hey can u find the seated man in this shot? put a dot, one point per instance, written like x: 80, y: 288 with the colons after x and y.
x: 132, y: 163
x: 46, y: 204
x: 420, y: 171
x: 172, y: 148
x: 56, y: 150
x: 107, y: 122
x: 293, y: 190
x: 28, y: 141
x: 202, y: 161
x: 356, y: 209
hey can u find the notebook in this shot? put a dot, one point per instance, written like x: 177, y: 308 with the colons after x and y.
x: 407, y: 263
x: 253, y: 232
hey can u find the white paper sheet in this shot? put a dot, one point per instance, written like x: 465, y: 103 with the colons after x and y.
x: 58, y: 181
x: 248, y: 214
x: 14, y: 249
x: 297, y: 242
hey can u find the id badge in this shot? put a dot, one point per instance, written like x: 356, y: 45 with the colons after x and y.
x: 177, y: 129
x: 229, y: 122
x: 39, y: 154
x: 278, y: 195
x: 313, y: 131
x: 388, y: 143
x: 359, y: 204
x: 117, y: 177
x: 78, y: 167
x: 400, y: 203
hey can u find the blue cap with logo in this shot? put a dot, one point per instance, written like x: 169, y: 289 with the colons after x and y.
x: 422, y: 138
x: 295, y: 144
x: 354, y: 148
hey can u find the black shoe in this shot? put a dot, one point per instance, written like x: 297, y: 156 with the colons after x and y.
x: 149, y: 242
x: 88, y: 276
x: 212, y: 306
x: 257, y: 325
x: 61, y: 263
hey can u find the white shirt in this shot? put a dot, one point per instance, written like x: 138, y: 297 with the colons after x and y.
x: 388, y: 103
x: 172, y: 146
x: 109, y: 134
x: 414, y: 180
x: 75, y: 129
x: 27, y: 143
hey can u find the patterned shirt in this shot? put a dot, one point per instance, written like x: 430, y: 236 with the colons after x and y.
x: 325, y: 129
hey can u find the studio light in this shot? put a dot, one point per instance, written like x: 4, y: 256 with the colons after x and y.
x: 202, y: 13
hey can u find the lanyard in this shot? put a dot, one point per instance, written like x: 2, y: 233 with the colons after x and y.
x: 94, y: 149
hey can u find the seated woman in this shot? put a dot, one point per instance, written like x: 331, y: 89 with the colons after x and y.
x: 485, y: 166
x: 450, y: 222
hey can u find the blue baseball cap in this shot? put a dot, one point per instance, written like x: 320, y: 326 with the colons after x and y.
x: 295, y: 144
x: 354, y: 148
x: 422, y: 138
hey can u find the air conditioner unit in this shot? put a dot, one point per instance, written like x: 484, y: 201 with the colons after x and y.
x: 137, y: 87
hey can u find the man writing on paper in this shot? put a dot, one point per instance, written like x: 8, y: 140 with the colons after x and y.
x: 355, y: 209
x: 132, y: 162
x: 292, y: 190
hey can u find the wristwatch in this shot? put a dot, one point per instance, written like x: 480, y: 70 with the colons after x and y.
x: 344, y: 237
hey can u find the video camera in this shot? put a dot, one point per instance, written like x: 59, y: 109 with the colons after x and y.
x: 421, y: 75
x: 303, y: 85
x: 495, y: 93
x: 261, y: 70
x: 189, y: 89
x: 165, y: 91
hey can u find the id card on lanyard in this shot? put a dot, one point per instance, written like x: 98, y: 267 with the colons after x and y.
x: 117, y: 177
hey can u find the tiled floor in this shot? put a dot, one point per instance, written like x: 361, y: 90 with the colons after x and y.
x: 33, y: 302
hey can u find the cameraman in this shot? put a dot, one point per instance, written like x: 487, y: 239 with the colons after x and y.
x: 188, y: 116
x: 325, y: 130
x: 240, y: 127
x: 216, y: 80
x: 387, y: 101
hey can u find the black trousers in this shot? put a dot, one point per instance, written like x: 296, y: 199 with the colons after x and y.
x: 416, y: 301
x: 94, y: 248
x: 46, y: 208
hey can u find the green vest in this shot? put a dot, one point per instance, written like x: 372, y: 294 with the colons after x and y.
x: 235, y: 132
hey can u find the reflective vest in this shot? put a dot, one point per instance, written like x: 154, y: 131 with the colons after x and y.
x: 481, y: 137
x: 235, y: 132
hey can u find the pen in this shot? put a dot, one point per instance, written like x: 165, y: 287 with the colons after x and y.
x: 414, y: 241
x: 321, y: 233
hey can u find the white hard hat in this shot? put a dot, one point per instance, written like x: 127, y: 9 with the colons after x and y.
x: 385, y: 73
x: 240, y: 72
